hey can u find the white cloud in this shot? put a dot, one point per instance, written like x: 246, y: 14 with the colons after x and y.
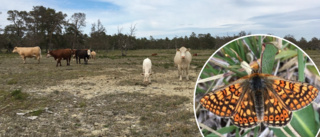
x: 179, y: 18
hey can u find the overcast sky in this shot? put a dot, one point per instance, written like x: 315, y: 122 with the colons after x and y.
x: 175, y: 18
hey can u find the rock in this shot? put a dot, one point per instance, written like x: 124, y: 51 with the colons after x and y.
x: 96, y: 124
x: 32, y: 117
x: 168, y: 125
x: 21, y: 114
x: 46, y: 109
x: 74, y: 115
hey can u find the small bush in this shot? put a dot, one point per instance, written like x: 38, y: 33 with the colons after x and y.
x: 82, y: 104
x: 37, y: 112
x: 18, y: 95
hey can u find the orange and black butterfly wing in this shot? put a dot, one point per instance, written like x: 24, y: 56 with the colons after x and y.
x: 223, y: 101
x: 275, y: 113
x: 294, y: 95
x: 245, y: 115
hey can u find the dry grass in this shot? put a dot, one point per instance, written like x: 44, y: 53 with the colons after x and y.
x: 62, y: 113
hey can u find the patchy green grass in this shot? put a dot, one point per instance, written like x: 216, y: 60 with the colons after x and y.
x: 18, y: 95
x: 37, y: 112
x: 12, y: 81
x: 154, y: 115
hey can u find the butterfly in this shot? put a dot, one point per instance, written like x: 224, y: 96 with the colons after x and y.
x: 259, y: 98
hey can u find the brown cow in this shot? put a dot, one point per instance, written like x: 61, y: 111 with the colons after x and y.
x: 195, y: 54
x: 154, y: 54
x: 60, y: 54
x: 29, y: 52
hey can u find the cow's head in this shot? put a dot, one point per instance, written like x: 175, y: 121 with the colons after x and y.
x: 89, y: 52
x: 15, y: 50
x: 146, y: 76
x: 183, y: 51
x: 48, y: 54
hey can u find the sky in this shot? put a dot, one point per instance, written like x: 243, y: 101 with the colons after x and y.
x: 176, y: 18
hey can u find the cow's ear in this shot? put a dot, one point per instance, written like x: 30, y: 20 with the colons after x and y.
x: 142, y: 74
x: 188, y: 49
x: 178, y: 49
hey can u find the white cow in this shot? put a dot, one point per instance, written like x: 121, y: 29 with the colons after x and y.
x: 29, y: 52
x: 93, y: 55
x: 182, y: 59
x: 146, y: 68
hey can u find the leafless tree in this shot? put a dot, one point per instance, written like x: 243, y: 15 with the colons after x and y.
x: 98, y: 36
x: 78, y: 20
x: 126, y: 41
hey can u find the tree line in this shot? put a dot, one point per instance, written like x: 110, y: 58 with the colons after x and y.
x: 51, y: 29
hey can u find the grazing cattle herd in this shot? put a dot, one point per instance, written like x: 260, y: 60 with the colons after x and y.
x: 182, y: 58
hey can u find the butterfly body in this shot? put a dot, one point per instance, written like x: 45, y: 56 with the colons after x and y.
x: 258, y: 87
x: 259, y: 98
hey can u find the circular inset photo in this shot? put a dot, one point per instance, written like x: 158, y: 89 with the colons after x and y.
x: 258, y: 85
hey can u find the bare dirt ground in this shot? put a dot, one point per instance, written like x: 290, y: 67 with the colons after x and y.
x: 103, y: 98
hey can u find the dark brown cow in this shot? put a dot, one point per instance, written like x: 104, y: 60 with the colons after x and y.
x: 195, y: 54
x: 82, y: 54
x: 154, y: 54
x: 60, y: 54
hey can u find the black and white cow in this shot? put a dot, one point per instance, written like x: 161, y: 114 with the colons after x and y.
x: 82, y: 54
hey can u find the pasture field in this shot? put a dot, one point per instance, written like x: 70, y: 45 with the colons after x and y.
x: 106, y: 97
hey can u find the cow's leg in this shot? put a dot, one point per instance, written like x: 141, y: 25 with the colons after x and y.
x: 24, y: 60
x: 187, y: 72
x: 180, y: 72
x: 77, y: 60
x: 68, y: 61
x: 38, y: 58
x: 150, y: 76
x: 57, y: 63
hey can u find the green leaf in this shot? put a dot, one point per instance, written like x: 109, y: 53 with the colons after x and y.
x: 313, y: 69
x: 284, y: 44
x: 226, y: 129
x: 279, y: 133
x: 237, y: 132
x: 286, y: 54
x: 268, y: 58
x: 259, y: 46
x: 229, y: 60
x: 240, y: 50
x: 223, y: 130
x: 245, y: 133
x: 316, y: 117
x: 304, y: 122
